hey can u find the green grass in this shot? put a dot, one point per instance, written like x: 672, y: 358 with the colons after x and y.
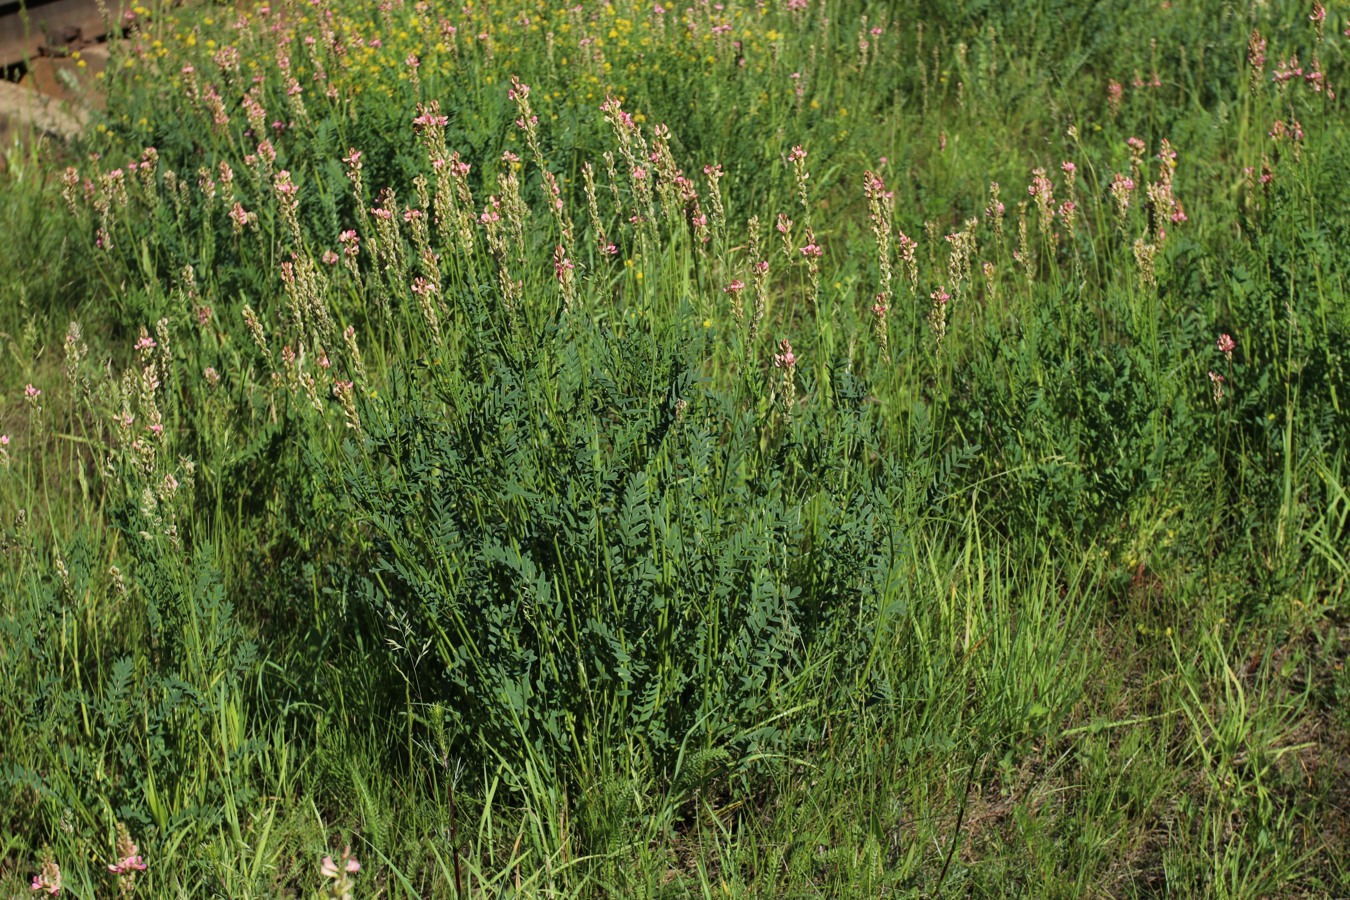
x: 529, y: 569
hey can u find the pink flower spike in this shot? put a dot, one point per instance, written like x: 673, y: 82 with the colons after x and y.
x: 31, y: 392
x: 329, y: 868
x: 1226, y: 344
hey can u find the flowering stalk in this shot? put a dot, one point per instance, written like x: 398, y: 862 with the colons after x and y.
x: 813, y: 252
x: 937, y: 317
x: 798, y: 159
x: 563, y: 270
x: 528, y: 122
x: 48, y: 879
x: 994, y: 211
x: 784, y: 227
x: 761, y: 286
x: 1216, y: 382
x: 908, y: 248
x: 1256, y: 60
x: 425, y: 291
x: 337, y: 875
x: 719, y: 213
x: 593, y: 207
x: 958, y: 259
x: 1121, y: 189
x: 880, y: 208
x: 129, y: 861
x: 786, y: 360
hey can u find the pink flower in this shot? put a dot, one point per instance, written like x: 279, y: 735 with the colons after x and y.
x: 31, y: 392
x: 1226, y: 344
x: 1040, y: 186
x: 812, y: 251
x: 426, y: 119
x: 135, y: 863
x: 786, y: 359
x: 348, y: 863
x: 284, y: 185
x: 940, y: 296
x: 238, y: 215
x: 797, y: 153
x: 330, y: 258
x: 41, y: 884
x: 212, y: 376
x: 735, y: 287
x: 146, y: 342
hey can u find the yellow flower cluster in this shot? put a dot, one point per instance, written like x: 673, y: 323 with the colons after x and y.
x: 347, y: 48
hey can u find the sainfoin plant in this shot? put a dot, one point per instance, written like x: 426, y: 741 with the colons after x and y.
x: 526, y: 447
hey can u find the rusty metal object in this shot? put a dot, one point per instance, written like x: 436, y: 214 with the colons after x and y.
x: 50, y: 54
x: 28, y: 30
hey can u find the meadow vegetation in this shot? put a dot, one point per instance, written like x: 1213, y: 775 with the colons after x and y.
x: 794, y: 448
